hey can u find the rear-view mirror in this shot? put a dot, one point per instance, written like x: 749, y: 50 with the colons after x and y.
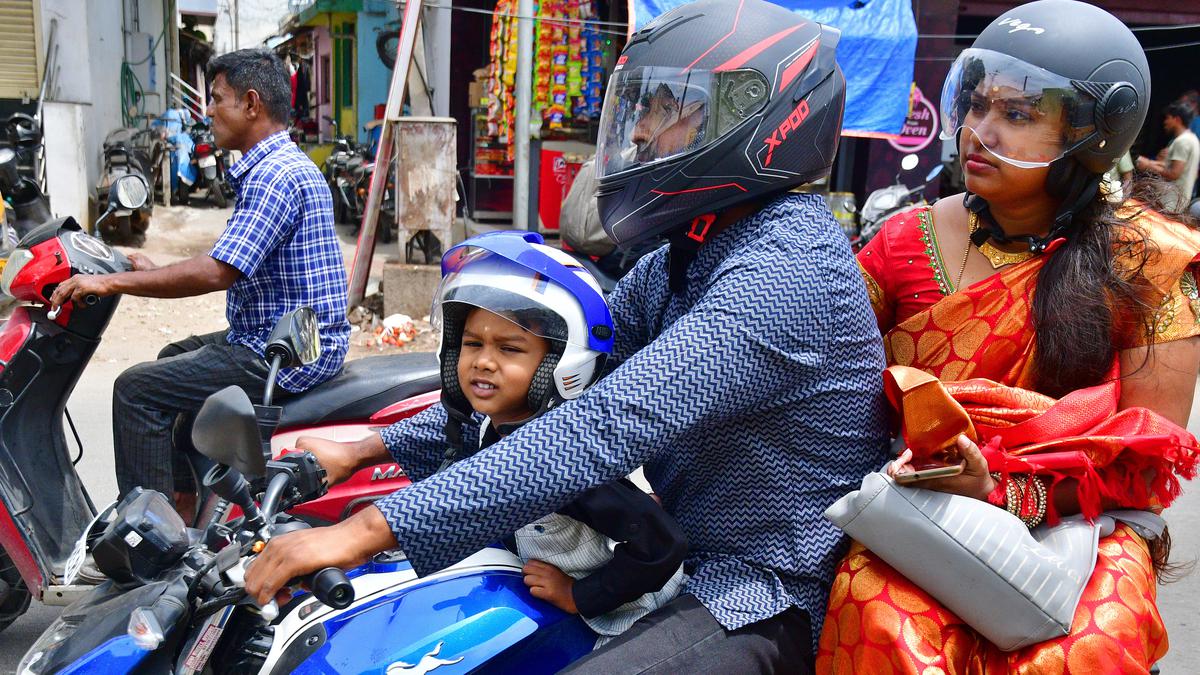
x: 296, y: 339
x: 226, y: 431
x: 129, y: 192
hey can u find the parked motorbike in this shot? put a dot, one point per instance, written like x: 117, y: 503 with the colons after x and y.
x: 22, y: 136
x: 211, y: 164
x: 175, y: 598
x: 43, y: 504
x: 127, y: 152
x: 348, y: 170
x: 888, y: 201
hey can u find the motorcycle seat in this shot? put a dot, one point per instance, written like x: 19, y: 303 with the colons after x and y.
x: 364, y: 387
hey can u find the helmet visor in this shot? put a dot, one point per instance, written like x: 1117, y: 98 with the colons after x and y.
x: 654, y: 114
x: 1024, y: 115
x: 514, y: 292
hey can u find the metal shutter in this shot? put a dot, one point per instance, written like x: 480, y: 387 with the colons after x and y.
x: 19, y: 58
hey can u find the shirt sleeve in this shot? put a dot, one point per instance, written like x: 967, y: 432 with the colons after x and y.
x: 418, y: 443
x: 265, y: 215
x: 1180, y: 150
x: 650, y: 546
x: 742, y: 347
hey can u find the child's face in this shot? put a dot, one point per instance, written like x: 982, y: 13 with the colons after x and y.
x: 496, y: 363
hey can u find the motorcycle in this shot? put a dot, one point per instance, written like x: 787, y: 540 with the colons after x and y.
x: 348, y: 171
x: 127, y: 152
x: 211, y: 164
x: 43, y: 504
x: 175, y: 600
x: 888, y: 201
x: 22, y: 136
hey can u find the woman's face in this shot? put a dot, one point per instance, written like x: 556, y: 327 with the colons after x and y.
x: 999, y: 123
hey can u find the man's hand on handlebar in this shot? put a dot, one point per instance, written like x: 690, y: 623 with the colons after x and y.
x: 295, y: 554
x: 77, y: 288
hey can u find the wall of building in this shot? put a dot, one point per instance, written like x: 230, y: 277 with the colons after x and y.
x: 92, y: 47
x: 373, y: 76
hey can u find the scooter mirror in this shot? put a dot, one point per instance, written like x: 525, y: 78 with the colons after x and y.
x: 295, y: 339
x: 129, y: 192
x: 909, y: 162
x: 226, y: 431
x: 934, y: 172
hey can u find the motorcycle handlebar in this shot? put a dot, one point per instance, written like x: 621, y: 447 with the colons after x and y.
x: 331, y: 587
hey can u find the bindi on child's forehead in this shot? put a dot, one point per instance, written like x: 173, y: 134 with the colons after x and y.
x: 500, y: 327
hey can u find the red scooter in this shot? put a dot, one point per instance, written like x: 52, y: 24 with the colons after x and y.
x: 44, y: 507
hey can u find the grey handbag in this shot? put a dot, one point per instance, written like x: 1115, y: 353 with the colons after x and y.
x: 1013, y: 585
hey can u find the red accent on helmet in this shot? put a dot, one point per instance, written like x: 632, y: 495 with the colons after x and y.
x: 699, y: 189
x: 792, y: 71
x: 736, y: 17
x: 741, y: 59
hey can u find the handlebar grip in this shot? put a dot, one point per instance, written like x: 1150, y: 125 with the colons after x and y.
x: 331, y: 587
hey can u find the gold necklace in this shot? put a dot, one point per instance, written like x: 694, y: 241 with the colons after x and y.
x: 994, y: 255
x: 966, y: 254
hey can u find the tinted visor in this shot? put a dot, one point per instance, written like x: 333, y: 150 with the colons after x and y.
x: 653, y: 114
x: 505, y: 288
x: 1024, y: 115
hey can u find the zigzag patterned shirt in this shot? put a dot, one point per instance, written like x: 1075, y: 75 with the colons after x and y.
x: 754, y: 400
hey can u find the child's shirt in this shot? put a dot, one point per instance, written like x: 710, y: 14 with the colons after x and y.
x: 622, y: 548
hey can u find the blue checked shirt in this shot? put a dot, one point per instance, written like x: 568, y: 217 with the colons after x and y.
x: 281, y: 238
x: 754, y: 400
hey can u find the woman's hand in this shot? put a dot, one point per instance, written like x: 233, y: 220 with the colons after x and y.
x: 974, y: 481
x: 547, y: 582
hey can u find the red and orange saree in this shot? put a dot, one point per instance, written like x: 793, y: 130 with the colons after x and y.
x: 979, y: 343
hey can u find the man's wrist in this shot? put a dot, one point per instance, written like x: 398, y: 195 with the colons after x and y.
x: 367, y: 533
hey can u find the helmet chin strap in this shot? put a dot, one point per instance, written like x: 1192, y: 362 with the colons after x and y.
x: 1068, y: 180
x: 684, y: 246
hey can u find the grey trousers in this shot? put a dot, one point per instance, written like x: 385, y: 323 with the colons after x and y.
x: 149, y: 397
x: 683, y: 637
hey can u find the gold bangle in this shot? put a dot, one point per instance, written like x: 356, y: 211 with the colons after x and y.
x: 1042, y: 498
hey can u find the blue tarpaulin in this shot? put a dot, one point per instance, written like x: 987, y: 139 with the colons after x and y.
x: 879, y: 42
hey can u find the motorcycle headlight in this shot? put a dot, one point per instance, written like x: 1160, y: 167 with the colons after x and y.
x: 885, y: 202
x: 17, y: 260
x: 38, y: 658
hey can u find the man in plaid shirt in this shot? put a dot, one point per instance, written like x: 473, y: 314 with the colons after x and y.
x: 277, y: 253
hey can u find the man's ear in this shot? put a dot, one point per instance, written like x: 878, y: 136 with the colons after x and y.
x: 252, y: 104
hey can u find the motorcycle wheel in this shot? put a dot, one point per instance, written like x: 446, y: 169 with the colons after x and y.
x: 14, y: 596
x: 216, y: 191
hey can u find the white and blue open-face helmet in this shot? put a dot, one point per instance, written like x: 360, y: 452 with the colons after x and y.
x: 539, y: 288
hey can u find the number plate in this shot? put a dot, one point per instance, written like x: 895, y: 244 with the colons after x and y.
x: 206, y: 162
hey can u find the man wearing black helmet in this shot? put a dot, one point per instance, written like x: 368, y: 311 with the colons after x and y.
x: 745, y: 373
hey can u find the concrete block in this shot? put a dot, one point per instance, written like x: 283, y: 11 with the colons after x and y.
x: 409, y: 289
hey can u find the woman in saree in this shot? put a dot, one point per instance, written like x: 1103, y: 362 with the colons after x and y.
x: 1036, y: 282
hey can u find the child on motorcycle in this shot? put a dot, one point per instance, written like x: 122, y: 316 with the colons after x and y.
x: 513, y: 345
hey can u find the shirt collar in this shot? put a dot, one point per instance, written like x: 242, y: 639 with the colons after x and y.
x: 260, y: 150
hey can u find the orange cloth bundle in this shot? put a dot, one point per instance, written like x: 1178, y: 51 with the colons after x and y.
x: 1082, y: 435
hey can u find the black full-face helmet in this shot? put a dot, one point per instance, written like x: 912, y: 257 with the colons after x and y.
x: 715, y: 103
x: 1052, y: 83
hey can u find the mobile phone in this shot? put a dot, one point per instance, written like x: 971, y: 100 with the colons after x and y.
x: 928, y: 473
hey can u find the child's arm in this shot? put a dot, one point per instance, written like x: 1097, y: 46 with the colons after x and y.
x: 650, y: 546
x: 417, y: 444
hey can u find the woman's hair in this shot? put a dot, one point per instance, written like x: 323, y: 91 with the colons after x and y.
x: 1093, y: 295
